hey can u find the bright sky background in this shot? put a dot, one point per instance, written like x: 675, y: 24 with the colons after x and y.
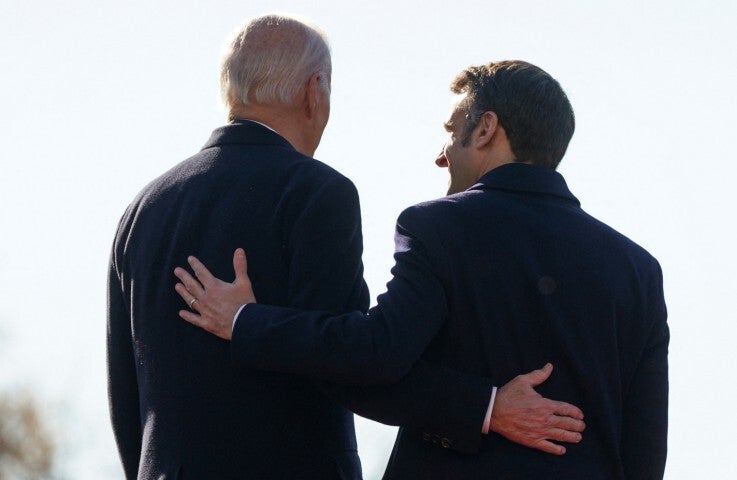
x: 99, y: 97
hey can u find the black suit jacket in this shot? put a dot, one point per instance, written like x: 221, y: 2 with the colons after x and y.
x: 179, y: 407
x: 497, y: 281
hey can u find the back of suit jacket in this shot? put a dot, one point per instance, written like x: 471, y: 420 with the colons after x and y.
x: 497, y: 281
x: 179, y: 408
x: 530, y: 278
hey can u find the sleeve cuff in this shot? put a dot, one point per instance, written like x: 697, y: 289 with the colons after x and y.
x: 241, y: 309
x: 487, y: 419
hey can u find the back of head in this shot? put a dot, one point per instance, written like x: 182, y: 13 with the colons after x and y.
x: 530, y: 104
x: 269, y: 59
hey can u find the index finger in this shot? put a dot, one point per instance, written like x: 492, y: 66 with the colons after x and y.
x: 200, y: 271
x: 567, y: 410
x: 567, y: 423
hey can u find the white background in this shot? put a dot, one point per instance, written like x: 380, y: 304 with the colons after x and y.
x: 99, y: 97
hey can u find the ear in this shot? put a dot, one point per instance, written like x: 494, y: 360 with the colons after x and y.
x: 314, y: 94
x: 488, y: 125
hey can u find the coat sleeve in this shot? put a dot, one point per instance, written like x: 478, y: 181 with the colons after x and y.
x: 121, y: 369
x: 439, y: 405
x: 325, y: 246
x: 355, y: 351
x: 352, y: 348
x: 645, y: 415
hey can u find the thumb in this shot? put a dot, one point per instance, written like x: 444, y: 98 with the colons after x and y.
x: 536, y: 377
x: 240, y: 266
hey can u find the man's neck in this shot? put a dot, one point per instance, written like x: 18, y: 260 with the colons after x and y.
x: 499, y: 154
x: 254, y: 121
x: 283, y: 120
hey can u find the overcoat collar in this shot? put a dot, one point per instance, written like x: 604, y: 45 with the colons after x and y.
x: 522, y: 177
x: 246, y: 132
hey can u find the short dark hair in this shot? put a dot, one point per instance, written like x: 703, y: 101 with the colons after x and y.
x: 531, y: 106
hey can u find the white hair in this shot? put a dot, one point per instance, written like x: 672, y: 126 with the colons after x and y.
x: 270, y: 59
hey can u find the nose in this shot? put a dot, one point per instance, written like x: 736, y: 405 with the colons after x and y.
x: 442, y: 160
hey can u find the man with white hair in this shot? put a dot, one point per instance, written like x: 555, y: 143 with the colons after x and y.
x: 179, y: 407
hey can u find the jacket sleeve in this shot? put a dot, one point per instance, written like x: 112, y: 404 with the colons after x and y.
x: 325, y: 245
x: 443, y: 406
x: 645, y: 415
x: 122, y: 384
x: 439, y: 405
x: 353, y: 348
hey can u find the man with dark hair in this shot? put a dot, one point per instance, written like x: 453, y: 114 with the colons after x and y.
x: 505, y: 273
x: 536, y: 114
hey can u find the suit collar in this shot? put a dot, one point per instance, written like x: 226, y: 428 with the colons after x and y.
x: 246, y: 132
x: 522, y: 177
